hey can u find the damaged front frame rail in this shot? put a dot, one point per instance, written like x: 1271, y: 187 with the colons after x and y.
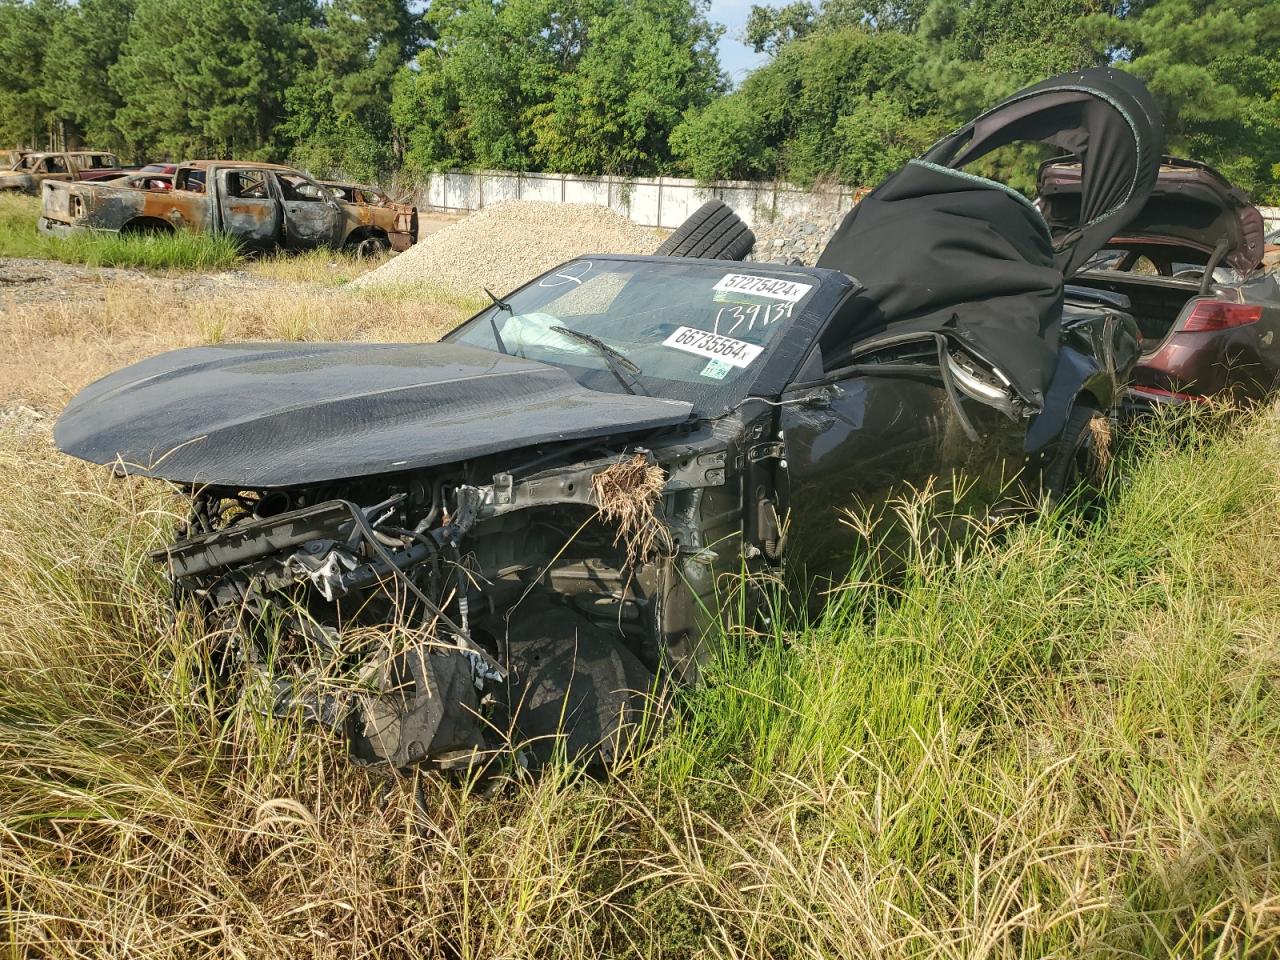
x: 447, y: 564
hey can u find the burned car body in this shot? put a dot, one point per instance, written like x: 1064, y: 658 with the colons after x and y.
x: 1189, y: 268
x: 523, y: 531
x: 383, y: 223
x: 263, y: 206
x: 31, y: 169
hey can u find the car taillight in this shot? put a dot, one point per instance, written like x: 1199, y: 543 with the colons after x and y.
x: 1209, y: 315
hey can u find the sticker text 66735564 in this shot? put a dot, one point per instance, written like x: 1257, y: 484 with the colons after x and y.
x: 704, y: 343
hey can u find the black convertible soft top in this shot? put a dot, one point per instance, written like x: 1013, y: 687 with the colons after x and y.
x: 942, y: 250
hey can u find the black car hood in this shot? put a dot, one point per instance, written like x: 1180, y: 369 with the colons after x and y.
x: 1190, y: 204
x: 271, y: 415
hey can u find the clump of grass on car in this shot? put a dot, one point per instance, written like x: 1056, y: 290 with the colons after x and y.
x: 1056, y: 739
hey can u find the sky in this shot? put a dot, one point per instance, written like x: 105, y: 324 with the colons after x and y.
x: 736, y: 57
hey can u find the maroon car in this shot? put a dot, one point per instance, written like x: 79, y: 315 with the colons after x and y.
x: 1188, y: 269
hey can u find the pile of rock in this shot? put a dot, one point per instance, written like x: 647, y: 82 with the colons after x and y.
x: 508, y: 244
x: 795, y: 238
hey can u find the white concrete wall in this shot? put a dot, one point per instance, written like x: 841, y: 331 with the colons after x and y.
x: 650, y: 201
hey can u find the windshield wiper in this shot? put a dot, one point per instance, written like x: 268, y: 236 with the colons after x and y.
x: 617, y: 360
x: 493, y: 320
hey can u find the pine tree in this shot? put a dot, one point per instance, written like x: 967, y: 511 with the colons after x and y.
x: 27, y: 115
x: 82, y: 46
x: 339, y: 110
x: 209, y: 76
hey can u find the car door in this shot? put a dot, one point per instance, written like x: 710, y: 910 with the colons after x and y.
x: 860, y: 440
x: 311, y: 216
x: 248, y: 207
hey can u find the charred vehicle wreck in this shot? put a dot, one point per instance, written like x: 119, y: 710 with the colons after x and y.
x: 262, y: 206
x: 520, y: 532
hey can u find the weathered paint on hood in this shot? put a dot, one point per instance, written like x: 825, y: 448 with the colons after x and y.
x: 268, y: 415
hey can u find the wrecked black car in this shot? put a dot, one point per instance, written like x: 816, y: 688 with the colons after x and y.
x: 522, y: 532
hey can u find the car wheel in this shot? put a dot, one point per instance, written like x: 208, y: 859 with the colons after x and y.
x: 370, y: 248
x: 1079, y: 466
x: 713, y: 232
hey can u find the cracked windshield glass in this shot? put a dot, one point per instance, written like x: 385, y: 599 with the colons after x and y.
x: 680, y: 331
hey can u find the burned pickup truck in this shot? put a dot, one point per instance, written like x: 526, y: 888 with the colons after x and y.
x: 32, y: 169
x: 519, y: 533
x: 264, y: 206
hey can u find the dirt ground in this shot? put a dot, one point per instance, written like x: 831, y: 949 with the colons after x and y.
x: 63, y: 326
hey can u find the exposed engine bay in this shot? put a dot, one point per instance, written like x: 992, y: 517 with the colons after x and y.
x: 440, y: 616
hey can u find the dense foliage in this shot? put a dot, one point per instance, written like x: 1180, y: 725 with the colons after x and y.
x: 850, y: 87
x: 853, y: 87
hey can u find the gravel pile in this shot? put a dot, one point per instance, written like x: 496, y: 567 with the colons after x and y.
x: 508, y: 244
x: 795, y: 238
x: 20, y: 418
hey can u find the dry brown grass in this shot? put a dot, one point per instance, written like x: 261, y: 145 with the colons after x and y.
x: 627, y: 495
x: 50, y: 348
x: 1062, y: 744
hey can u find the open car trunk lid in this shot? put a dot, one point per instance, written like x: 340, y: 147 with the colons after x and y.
x: 270, y: 415
x: 1191, y: 204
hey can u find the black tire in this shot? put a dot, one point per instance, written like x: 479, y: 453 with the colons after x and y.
x: 575, y: 687
x: 1079, y: 466
x: 147, y: 227
x: 713, y: 232
x: 371, y: 247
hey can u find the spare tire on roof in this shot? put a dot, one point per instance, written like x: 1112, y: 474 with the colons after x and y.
x: 713, y: 232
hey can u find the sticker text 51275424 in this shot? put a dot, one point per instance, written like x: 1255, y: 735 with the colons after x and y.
x: 771, y: 287
x: 713, y: 346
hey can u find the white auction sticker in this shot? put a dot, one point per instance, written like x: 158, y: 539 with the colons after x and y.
x: 704, y: 343
x: 770, y: 287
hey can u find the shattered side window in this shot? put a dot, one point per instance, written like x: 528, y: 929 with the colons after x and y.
x: 299, y: 188
x: 249, y: 184
x: 190, y: 180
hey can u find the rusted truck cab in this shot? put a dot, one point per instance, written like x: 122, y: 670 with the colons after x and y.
x: 264, y: 206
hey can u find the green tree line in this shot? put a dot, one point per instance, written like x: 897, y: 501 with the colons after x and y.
x: 849, y: 89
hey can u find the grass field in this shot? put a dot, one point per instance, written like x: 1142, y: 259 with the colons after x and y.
x: 179, y: 251
x: 1062, y: 741
x: 185, y: 251
x: 52, y: 346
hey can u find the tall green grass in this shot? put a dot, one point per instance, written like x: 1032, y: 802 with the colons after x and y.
x: 1057, y: 739
x: 176, y: 251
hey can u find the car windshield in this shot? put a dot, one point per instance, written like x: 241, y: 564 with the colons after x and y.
x: 697, y: 331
